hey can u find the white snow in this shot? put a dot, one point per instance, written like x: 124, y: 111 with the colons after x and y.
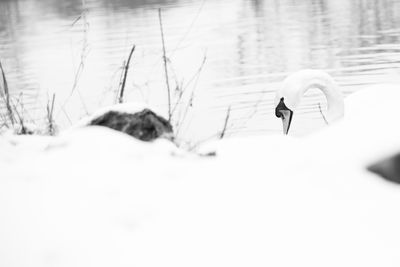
x: 96, y: 197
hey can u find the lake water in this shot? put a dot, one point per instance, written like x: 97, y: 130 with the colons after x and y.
x: 75, y: 49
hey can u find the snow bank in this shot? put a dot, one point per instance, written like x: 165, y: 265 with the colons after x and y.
x: 96, y: 197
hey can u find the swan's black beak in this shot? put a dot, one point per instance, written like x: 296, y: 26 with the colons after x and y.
x: 283, y: 112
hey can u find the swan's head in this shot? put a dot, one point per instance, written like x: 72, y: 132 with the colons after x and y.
x: 288, y: 96
x: 287, y: 99
x: 285, y: 113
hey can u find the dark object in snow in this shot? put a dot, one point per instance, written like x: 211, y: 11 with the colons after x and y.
x: 388, y: 168
x: 209, y: 154
x: 23, y: 129
x: 144, y: 125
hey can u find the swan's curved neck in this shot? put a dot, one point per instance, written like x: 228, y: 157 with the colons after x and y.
x: 297, y: 84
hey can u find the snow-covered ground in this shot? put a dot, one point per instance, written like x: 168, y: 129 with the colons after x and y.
x: 96, y: 197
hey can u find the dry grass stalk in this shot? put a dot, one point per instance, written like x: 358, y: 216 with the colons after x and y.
x: 18, y: 109
x: 248, y: 117
x: 322, y: 114
x: 50, y: 118
x: 126, y: 67
x: 6, y: 96
x: 189, y: 28
x: 3, y: 120
x: 23, y: 129
x: 195, y: 78
x: 194, y: 146
x: 165, y: 65
x: 226, y: 123
x: 83, y: 56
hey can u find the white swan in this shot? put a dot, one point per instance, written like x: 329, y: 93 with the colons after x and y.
x: 370, y: 129
x: 288, y: 96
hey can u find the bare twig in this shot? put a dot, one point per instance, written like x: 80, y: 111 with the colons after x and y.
x: 21, y: 121
x: 179, y: 124
x: 226, y: 123
x: 322, y: 114
x: 194, y: 79
x: 121, y: 91
x: 198, y: 72
x: 6, y: 96
x: 3, y: 121
x: 190, y: 27
x: 84, y: 54
x: 178, y: 45
x: 23, y: 129
x: 66, y: 115
x: 250, y: 114
x: 50, y: 119
x: 165, y: 65
x: 76, y: 20
x: 194, y: 146
x: 178, y: 92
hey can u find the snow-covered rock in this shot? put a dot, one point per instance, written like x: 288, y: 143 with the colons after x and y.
x: 136, y: 120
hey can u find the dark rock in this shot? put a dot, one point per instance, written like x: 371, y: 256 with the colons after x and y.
x: 388, y: 168
x: 144, y: 125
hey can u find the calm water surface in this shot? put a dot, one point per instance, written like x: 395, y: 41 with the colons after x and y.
x: 76, y: 49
